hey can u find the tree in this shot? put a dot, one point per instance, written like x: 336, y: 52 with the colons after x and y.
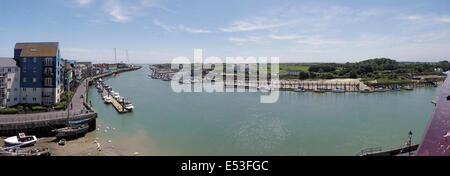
x: 303, y: 75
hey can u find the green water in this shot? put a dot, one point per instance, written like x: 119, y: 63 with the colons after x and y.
x: 167, y: 123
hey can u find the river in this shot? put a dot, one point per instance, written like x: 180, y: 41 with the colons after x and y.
x: 168, y: 123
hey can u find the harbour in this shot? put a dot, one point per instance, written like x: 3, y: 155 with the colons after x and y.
x: 299, y: 124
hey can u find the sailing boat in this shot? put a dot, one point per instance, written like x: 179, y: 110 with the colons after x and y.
x: 74, y: 128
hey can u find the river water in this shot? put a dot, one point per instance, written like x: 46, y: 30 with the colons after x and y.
x: 168, y: 123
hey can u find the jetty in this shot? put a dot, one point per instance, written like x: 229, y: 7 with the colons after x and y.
x: 117, y: 105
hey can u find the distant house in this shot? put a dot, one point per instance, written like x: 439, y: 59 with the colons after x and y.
x: 292, y: 72
x: 438, y: 70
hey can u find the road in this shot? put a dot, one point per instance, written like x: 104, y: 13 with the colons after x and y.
x: 77, y: 108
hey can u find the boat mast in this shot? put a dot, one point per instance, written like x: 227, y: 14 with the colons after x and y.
x: 115, y: 56
x: 128, y: 60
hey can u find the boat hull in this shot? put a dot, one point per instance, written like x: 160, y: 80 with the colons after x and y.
x: 70, y: 132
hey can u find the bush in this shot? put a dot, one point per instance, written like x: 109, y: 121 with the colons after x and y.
x: 60, y: 105
x: 38, y: 108
x: 8, y: 111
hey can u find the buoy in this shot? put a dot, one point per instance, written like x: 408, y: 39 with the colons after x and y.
x: 109, y: 141
x: 136, y: 153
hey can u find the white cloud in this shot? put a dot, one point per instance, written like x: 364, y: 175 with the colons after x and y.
x: 184, y: 28
x: 445, y: 19
x: 257, y: 24
x: 414, y: 17
x: 316, y: 40
x: 84, y: 2
x: 164, y: 26
x: 117, y: 12
x: 246, y: 39
x: 284, y: 37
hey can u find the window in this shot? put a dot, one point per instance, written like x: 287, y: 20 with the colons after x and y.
x: 15, y: 99
x: 48, y: 82
x: 34, y: 50
x: 34, y: 89
x: 15, y: 89
x: 8, y: 90
x: 34, y: 60
x: 24, y: 98
x: 34, y: 80
x: 24, y: 59
x: 9, y: 70
x: 34, y: 69
x: 24, y: 69
x: 24, y: 80
x: 9, y: 79
x: 8, y: 100
x: 34, y: 98
x: 24, y: 89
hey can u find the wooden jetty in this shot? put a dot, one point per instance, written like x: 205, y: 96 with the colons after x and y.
x: 117, y: 105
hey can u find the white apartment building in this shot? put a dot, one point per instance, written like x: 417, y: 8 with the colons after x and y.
x: 9, y: 83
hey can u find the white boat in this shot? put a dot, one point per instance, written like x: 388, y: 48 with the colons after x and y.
x: 338, y: 90
x: 21, y: 140
x: 107, y: 99
x: 129, y: 107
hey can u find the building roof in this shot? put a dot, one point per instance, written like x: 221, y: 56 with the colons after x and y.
x: 7, y: 62
x: 38, y: 49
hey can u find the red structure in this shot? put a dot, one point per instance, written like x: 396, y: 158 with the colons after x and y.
x: 436, y: 141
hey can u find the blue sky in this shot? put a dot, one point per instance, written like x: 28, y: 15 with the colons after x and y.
x: 296, y: 31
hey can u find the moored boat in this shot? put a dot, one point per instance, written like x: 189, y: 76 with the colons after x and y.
x: 300, y: 89
x: 365, y: 91
x: 106, y: 99
x: 338, y: 90
x: 319, y: 90
x: 72, y: 131
x: 394, y: 88
x: 21, y: 140
x: 381, y: 90
x: 15, y: 151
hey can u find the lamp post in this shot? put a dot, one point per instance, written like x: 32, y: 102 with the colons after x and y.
x: 409, y: 141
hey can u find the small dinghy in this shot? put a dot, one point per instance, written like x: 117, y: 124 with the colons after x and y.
x: 21, y: 140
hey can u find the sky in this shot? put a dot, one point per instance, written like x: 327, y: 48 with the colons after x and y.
x: 155, y: 31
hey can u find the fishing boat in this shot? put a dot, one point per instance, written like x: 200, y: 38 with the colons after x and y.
x: 365, y: 91
x: 106, y: 99
x: 72, y: 131
x: 381, y: 90
x: 15, y: 151
x: 319, y: 90
x: 21, y: 140
x: 338, y: 90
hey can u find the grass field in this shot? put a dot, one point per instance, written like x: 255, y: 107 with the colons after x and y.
x: 285, y: 67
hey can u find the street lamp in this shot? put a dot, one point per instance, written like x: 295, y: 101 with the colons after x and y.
x: 409, y: 141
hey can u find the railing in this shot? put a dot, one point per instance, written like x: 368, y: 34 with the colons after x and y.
x: 369, y: 150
